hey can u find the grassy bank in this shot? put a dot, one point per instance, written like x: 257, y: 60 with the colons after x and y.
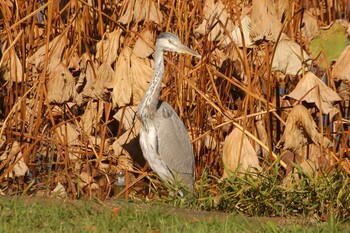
x: 54, y: 215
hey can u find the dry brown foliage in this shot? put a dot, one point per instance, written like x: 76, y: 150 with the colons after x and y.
x: 73, y: 73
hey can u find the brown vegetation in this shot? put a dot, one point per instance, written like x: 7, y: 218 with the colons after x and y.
x: 73, y: 72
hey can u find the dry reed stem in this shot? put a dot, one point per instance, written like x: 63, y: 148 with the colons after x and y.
x: 204, y: 92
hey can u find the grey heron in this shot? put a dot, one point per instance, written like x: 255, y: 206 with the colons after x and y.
x: 163, y: 137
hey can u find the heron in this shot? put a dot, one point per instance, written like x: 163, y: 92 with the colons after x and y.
x: 164, y: 140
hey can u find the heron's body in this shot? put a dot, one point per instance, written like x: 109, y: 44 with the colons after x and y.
x: 163, y: 137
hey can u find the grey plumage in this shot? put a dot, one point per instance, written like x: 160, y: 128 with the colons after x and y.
x: 164, y: 140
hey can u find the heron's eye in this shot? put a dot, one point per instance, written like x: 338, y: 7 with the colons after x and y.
x: 170, y: 41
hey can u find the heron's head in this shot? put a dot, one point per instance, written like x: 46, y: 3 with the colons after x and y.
x: 167, y: 41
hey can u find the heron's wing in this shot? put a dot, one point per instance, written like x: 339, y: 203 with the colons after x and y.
x: 174, y: 146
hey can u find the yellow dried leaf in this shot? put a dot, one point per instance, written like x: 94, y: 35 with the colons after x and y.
x: 344, y: 91
x: 132, y: 77
x: 341, y: 69
x: 210, y: 142
x: 59, y: 191
x: 141, y: 48
x: 56, y: 48
x: 310, y: 27
x: 87, y: 77
x: 85, y: 178
x: 288, y: 58
x: 312, y: 90
x: 262, y: 136
x: 91, y: 117
x: 126, y: 148
x: 105, y: 80
x: 12, y: 67
x: 300, y: 131
x: 236, y: 34
x: 20, y: 169
x: 67, y: 134
x: 110, y: 45
x: 266, y: 18
x: 142, y: 10
x: 60, y: 85
x: 141, y: 77
x: 214, y: 12
x: 124, y: 159
x: 236, y: 157
x: 126, y: 116
x: 122, y: 91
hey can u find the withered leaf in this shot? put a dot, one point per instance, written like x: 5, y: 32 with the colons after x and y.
x: 122, y: 91
x: 56, y: 48
x: 310, y: 27
x: 60, y: 85
x: 214, y: 12
x: 91, y: 116
x: 341, y: 69
x: 236, y: 34
x: 141, y: 77
x: 142, y: 10
x: 126, y: 116
x: 243, y: 158
x: 266, y: 18
x: 20, y: 168
x: 141, y: 48
x: 288, y: 58
x: 312, y: 90
x: 132, y: 77
x: 104, y: 81
x: 59, y: 191
x: 67, y: 134
x: 110, y: 45
x: 210, y: 142
x: 300, y: 130
x: 12, y: 67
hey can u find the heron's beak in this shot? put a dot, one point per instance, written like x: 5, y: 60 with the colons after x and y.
x: 185, y: 49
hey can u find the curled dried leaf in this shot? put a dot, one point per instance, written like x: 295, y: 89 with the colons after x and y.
x: 127, y: 149
x: 288, y: 58
x: 214, y: 12
x: 141, y: 48
x: 310, y: 27
x: 60, y: 85
x: 91, y: 117
x: 142, y: 10
x: 127, y: 116
x: 59, y: 191
x: 238, y: 153
x: 56, y: 49
x: 107, y: 48
x: 341, y: 69
x: 141, y: 77
x: 105, y: 80
x: 236, y: 34
x: 67, y: 134
x: 132, y: 77
x: 122, y: 90
x: 266, y: 18
x: 312, y: 90
x: 12, y: 67
x: 20, y: 168
x: 300, y: 131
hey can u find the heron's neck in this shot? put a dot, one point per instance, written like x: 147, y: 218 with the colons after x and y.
x: 148, y: 105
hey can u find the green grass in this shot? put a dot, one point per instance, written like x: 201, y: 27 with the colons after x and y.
x: 53, y: 215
